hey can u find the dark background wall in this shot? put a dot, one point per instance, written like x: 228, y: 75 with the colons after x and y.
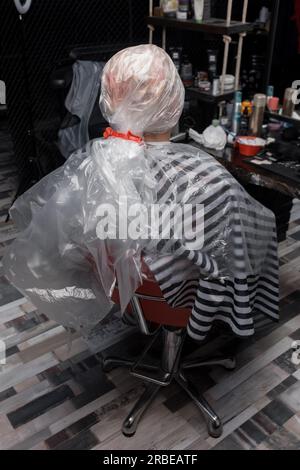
x: 30, y: 50
x: 286, y: 59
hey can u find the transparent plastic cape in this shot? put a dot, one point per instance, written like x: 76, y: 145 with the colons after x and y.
x: 80, y: 102
x: 69, y: 273
x: 89, y: 224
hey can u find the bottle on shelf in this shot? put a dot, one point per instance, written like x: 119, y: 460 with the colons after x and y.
x: 200, y: 76
x: 273, y: 104
x: 237, y: 112
x: 199, y: 10
x: 187, y: 72
x: 270, y: 91
x: 175, y: 54
x: 191, y: 10
x: 183, y: 9
x: 289, y: 102
x: 212, y: 64
x: 224, y: 121
x: 245, y: 117
x: 215, y: 86
x: 257, y: 117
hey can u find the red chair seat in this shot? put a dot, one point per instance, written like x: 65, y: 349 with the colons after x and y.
x: 157, y: 311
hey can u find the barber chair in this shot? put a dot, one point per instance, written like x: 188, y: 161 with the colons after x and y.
x: 151, y: 310
x: 62, y: 77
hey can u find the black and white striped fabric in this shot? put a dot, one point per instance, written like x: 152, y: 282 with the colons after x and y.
x: 68, y: 271
x: 234, y: 277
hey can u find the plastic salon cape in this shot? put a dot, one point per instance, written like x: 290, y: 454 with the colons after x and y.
x: 59, y: 262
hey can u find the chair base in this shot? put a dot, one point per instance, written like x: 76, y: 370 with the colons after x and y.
x: 214, y: 424
x: 171, y: 370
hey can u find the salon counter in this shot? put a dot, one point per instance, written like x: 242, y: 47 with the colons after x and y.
x: 246, y: 173
x: 273, y: 191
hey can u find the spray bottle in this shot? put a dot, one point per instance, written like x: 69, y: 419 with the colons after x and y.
x: 237, y: 112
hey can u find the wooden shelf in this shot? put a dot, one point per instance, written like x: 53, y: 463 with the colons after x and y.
x: 283, y: 118
x: 207, y: 97
x: 211, y: 26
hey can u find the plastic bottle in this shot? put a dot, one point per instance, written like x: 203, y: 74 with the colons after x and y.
x: 216, y: 86
x: 175, y: 54
x: 257, y: 117
x: 289, y: 102
x: 224, y: 122
x: 212, y: 64
x: 187, y: 72
x: 237, y: 112
x: 191, y: 10
x: 199, y: 9
x: 270, y: 93
x: 183, y: 9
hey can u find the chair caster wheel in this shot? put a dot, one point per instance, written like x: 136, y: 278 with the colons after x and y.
x: 215, y: 429
x: 128, y: 434
x: 108, y: 365
x: 106, y: 369
x: 129, y: 428
x: 230, y: 365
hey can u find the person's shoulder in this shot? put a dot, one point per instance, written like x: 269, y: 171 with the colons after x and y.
x: 83, y: 154
x: 195, y: 156
x: 193, y: 150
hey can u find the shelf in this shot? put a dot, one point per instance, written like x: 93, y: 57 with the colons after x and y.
x: 3, y: 108
x: 211, y: 26
x: 281, y: 117
x: 207, y: 97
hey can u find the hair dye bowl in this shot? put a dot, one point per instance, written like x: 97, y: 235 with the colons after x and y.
x: 250, y: 146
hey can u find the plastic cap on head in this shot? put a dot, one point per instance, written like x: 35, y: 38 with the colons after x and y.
x: 141, y: 91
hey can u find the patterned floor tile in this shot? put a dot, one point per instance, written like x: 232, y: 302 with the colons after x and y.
x: 39, y: 406
x: 278, y: 412
x: 291, y: 397
x: 285, y: 385
x: 282, y: 440
x: 54, y: 397
x: 8, y: 293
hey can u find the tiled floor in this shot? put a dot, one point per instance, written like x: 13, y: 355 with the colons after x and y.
x: 55, y: 396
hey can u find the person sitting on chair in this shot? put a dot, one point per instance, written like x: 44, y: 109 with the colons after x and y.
x: 73, y: 247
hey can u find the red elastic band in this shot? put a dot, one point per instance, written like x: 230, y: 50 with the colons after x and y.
x: 109, y: 132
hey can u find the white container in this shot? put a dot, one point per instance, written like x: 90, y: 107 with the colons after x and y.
x: 181, y: 15
x: 199, y: 9
x: 264, y: 15
x: 216, y: 86
x: 169, y: 7
x: 229, y: 81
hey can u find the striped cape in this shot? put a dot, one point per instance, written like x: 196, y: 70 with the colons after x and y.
x: 237, y: 284
x: 233, y: 278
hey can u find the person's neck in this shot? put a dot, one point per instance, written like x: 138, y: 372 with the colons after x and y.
x: 164, y: 137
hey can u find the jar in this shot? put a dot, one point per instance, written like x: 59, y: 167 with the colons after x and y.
x: 169, y: 7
